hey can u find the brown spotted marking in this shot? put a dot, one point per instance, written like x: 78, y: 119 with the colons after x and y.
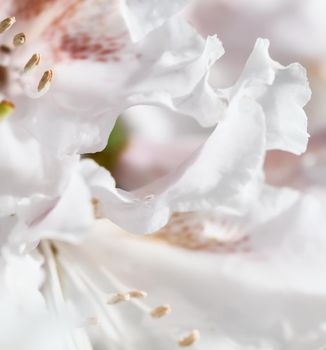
x: 83, y: 46
x: 186, y: 231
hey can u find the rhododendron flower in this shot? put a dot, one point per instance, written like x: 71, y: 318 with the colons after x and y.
x: 256, y: 120
x: 95, y: 73
x: 68, y: 69
x: 91, y: 289
x: 226, y: 169
x: 264, y: 92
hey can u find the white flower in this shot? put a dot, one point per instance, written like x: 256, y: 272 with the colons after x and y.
x: 251, y: 120
x: 93, y: 292
x: 264, y: 112
x: 97, y: 72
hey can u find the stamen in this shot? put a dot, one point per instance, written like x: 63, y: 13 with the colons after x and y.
x: 189, y: 339
x: 7, y: 24
x: 3, y: 76
x: 161, y: 311
x: 6, y: 108
x: 19, y: 39
x: 137, y: 294
x: 33, y: 62
x: 82, y: 279
x: 118, y: 298
x: 5, y: 49
x: 45, y: 80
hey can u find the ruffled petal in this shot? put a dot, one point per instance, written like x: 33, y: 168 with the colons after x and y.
x: 225, y: 170
x: 88, y: 95
x: 99, y: 72
x: 282, y: 92
x: 222, y: 168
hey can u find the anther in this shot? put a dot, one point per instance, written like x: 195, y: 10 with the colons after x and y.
x: 118, y: 298
x: 161, y: 311
x: 32, y: 63
x: 7, y: 24
x: 45, y: 80
x: 6, y: 108
x: 5, y: 49
x: 19, y: 39
x: 189, y: 339
x: 137, y: 294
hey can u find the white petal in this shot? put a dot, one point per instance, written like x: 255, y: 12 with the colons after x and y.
x: 282, y: 92
x: 66, y: 217
x: 23, y: 308
x: 213, y: 176
x: 143, y: 16
x: 243, y: 301
x: 25, y: 166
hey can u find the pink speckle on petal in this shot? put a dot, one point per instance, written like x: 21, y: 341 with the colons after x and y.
x: 27, y: 9
x: 92, y: 30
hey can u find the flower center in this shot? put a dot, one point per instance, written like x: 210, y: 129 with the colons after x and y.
x: 9, y: 73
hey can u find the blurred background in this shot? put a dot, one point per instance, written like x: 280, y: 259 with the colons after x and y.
x: 145, y: 144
